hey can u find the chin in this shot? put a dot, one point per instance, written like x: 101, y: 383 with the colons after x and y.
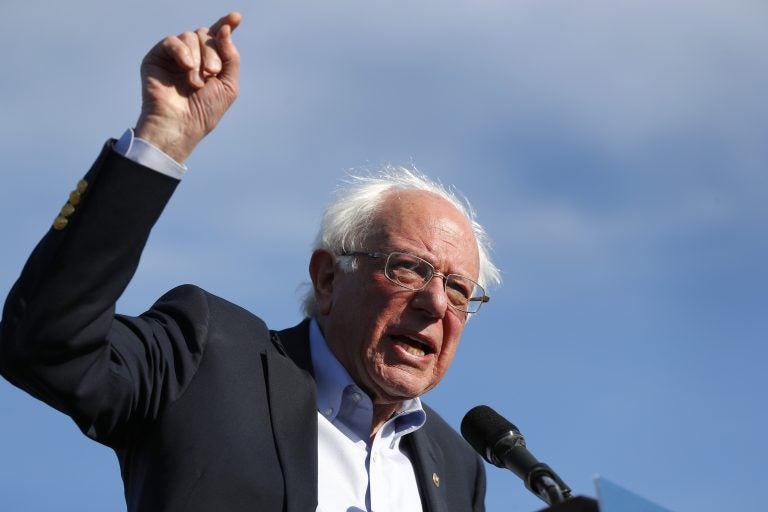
x: 394, y: 392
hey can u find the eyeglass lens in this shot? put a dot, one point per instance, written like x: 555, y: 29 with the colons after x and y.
x: 413, y: 272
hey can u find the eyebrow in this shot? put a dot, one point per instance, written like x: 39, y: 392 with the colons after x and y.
x: 431, y: 262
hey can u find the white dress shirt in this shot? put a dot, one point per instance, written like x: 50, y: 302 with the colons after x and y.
x: 353, y: 473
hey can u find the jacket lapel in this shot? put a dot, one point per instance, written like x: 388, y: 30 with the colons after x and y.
x: 427, y: 460
x: 293, y: 406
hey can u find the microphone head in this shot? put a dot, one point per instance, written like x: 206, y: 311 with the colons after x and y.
x: 500, y: 443
x: 483, y: 427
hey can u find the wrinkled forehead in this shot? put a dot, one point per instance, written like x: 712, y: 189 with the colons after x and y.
x: 425, y: 221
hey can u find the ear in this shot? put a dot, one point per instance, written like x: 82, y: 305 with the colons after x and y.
x: 322, y: 270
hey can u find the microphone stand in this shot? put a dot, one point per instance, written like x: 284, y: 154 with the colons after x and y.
x: 576, y: 504
x: 549, y: 491
x: 545, y: 483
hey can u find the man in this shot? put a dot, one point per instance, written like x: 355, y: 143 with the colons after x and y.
x: 205, y: 407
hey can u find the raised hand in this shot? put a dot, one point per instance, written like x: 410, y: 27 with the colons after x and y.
x: 188, y: 83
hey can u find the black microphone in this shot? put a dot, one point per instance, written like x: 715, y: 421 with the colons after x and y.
x: 500, y: 443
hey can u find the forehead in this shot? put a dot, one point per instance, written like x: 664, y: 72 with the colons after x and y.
x: 429, y: 226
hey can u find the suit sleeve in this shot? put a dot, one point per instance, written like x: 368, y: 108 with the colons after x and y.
x: 60, y: 339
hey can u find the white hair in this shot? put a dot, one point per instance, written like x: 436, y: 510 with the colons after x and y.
x: 350, y: 218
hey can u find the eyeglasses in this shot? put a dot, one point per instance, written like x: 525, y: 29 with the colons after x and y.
x: 414, y: 273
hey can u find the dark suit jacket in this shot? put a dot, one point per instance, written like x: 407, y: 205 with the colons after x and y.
x: 206, y: 408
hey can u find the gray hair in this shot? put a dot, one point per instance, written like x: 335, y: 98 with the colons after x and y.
x: 349, y: 219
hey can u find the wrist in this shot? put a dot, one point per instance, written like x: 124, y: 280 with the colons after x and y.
x: 170, y: 138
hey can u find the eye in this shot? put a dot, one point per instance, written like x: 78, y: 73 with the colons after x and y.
x: 459, y: 287
x: 405, y: 263
x: 408, y: 270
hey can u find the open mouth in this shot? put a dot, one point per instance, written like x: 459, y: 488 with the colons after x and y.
x: 413, y: 346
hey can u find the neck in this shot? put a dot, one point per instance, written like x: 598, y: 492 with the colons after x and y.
x: 381, y: 414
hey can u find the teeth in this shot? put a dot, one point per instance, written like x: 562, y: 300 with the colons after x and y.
x: 414, y: 346
x: 414, y: 351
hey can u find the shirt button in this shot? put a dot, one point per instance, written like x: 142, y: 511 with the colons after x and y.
x: 356, y: 397
x: 328, y: 412
x: 375, y: 456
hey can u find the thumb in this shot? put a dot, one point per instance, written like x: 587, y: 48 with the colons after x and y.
x: 230, y: 57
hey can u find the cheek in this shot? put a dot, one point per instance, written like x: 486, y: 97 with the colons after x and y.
x: 446, y: 358
x: 448, y: 351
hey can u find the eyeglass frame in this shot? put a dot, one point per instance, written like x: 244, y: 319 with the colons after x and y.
x: 379, y: 255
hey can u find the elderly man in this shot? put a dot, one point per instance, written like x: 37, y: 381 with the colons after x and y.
x: 206, y: 408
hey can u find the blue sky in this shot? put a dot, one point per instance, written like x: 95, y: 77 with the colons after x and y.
x: 615, y: 151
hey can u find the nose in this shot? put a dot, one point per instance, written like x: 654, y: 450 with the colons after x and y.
x: 432, y: 298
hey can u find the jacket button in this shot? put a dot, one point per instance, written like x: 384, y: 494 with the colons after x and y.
x: 74, y: 198
x: 67, y: 210
x: 60, y: 223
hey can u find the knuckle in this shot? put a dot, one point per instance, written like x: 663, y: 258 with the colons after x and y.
x: 187, y: 36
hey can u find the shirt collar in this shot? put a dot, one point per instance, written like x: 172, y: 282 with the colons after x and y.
x: 332, y: 379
